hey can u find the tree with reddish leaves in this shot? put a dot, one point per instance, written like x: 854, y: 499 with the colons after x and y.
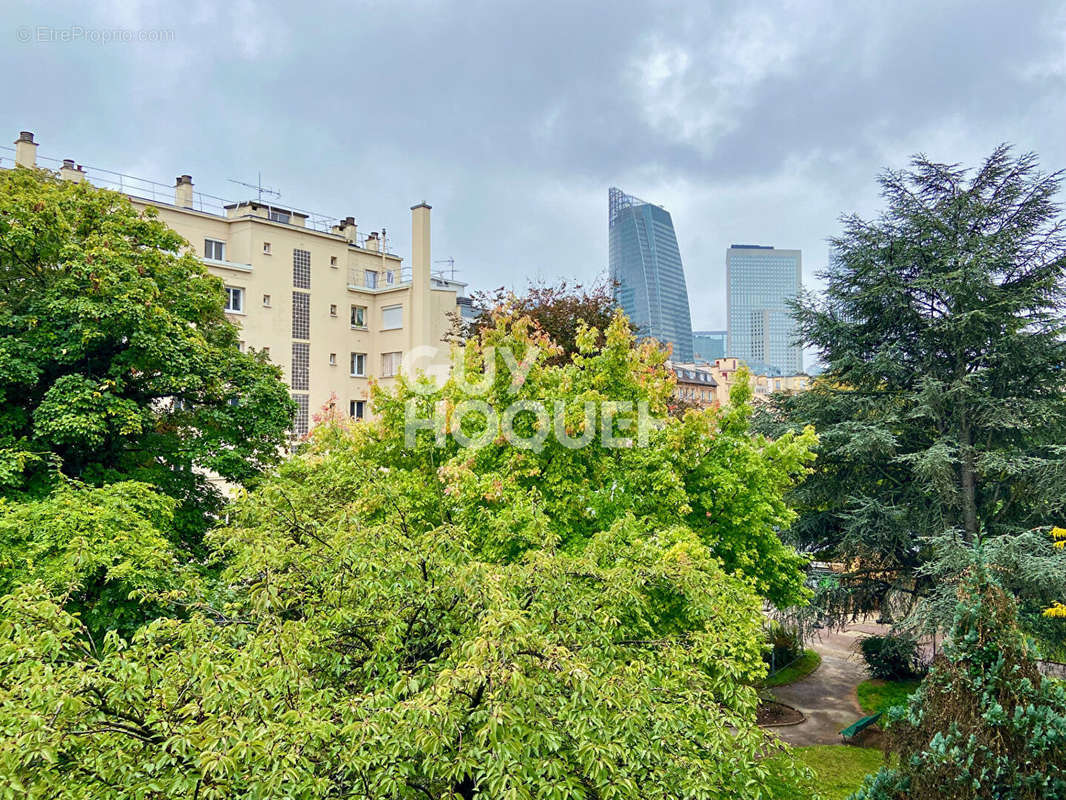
x: 557, y: 309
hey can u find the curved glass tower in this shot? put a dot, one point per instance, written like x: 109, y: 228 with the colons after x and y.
x: 647, y: 272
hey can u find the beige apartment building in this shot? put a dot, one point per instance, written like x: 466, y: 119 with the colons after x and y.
x: 329, y: 304
x: 725, y: 370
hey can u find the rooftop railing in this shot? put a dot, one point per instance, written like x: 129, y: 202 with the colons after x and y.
x: 154, y: 192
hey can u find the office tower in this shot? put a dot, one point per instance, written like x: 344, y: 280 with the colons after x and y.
x: 760, y: 283
x: 646, y: 268
x: 708, y: 345
x: 329, y: 304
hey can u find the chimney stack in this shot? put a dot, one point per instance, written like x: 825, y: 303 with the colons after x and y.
x: 183, y: 191
x: 70, y: 172
x: 349, y: 229
x: 421, y: 322
x: 25, y: 150
x: 372, y: 241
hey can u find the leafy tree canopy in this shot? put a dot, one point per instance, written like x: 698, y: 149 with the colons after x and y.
x: 408, y: 619
x: 943, y: 407
x: 101, y: 548
x: 116, y: 359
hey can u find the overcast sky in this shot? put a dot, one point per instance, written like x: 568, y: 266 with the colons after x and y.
x: 750, y: 122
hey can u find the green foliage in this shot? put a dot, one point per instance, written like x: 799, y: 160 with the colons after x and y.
x: 93, y: 547
x: 891, y: 657
x: 706, y: 471
x: 418, y: 621
x: 804, y: 665
x: 1029, y: 566
x: 985, y: 723
x: 784, y: 643
x: 943, y: 408
x: 880, y: 695
x: 116, y: 359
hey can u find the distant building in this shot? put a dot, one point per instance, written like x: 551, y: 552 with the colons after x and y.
x: 724, y: 371
x: 708, y: 345
x: 646, y: 268
x: 760, y: 283
x: 695, y: 384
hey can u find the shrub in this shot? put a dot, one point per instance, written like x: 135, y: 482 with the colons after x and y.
x: 892, y: 658
x: 985, y: 723
x: 785, y: 645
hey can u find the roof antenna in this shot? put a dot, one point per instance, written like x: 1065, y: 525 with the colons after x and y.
x: 259, y: 188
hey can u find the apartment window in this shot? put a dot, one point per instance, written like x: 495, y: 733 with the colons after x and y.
x: 356, y: 409
x: 390, y: 277
x: 391, y: 318
x: 301, y: 365
x: 214, y: 249
x: 279, y: 216
x: 358, y: 365
x: 266, y: 248
x: 240, y: 346
x: 358, y: 316
x: 371, y: 278
x: 333, y: 261
x: 390, y: 364
x: 333, y: 309
x: 266, y: 301
x: 301, y: 315
x: 333, y: 359
x: 265, y: 351
x: 234, y: 300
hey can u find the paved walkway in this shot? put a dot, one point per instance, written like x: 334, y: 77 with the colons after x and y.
x: 827, y: 696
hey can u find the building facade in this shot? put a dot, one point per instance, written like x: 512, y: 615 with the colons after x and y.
x: 724, y: 371
x: 761, y: 281
x: 646, y: 269
x: 327, y: 303
x: 695, y: 385
x: 708, y: 346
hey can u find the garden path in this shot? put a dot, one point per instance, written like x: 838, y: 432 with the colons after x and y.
x: 827, y: 696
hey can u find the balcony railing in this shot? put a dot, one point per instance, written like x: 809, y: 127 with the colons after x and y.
x: 378, y: 279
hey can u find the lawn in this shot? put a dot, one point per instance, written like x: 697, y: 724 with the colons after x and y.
x: 800, y: 668
x: 877, y: 695
x: 838, y: 770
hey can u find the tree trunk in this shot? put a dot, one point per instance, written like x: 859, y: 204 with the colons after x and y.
x: 967, y: 476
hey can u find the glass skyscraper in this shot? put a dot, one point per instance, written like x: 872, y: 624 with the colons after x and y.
x: 761, y: 280
x: 646, y: 268
x: 708, y: 345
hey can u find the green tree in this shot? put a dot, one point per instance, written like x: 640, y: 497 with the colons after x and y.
x: 985, y: 723
x: 707, y: 470
x: 101, y: 548
x: 116, y: 359
x: 943, y: 408
x: 402, y: 618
